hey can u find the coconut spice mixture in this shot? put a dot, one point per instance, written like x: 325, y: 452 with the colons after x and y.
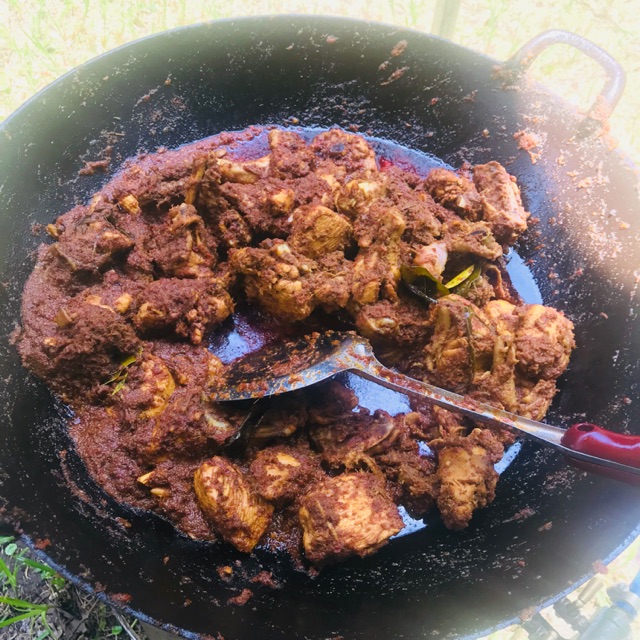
x: 119, y: 313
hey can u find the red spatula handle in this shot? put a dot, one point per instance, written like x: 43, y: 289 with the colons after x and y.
x: 596, y: 441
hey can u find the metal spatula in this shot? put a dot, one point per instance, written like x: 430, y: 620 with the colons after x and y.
x: 287, y: 366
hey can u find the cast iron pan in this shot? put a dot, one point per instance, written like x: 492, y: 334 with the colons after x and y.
x: 548, y: 524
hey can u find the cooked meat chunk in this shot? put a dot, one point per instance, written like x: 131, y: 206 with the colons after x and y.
x: 290, y: 156
x: 283, y: 473
x: 234, y: 229
x: 317, y: 231
x: 333, y: 282
x: 183, y: 247
x: 88, y: 346
x: 344, y: 149
x: 265, y: 206
x: 277, y: 278
x: 225, y: 496
x: 466, y: 476
x: 346, y: 516
x: 544, y: 342
x: 454, y: 192
x: 347, y: 441
x: 242, y: 172
x: 185, y: 307
x: 501, y: 203
x: 87, y: 240
x: 159, y: 181
x: 461, y: 348
x: 376, y: 270
x: 148, y: 387
x: 475, y: 238
x: 432, y: 257
x: 390, y: 324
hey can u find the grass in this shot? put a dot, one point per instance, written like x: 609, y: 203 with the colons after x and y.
x: 42, y: 39
x: 37, y: 603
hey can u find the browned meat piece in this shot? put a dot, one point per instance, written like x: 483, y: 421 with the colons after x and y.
x: 234, y: 229
x: 344, y: 149
x: 331, y: 402
x: 432, y: 257
x: 317, y: 231
x: 501, y: 202
x: 544, y: 342
x: 187, y: 426
x: 147, y: 387
x: 88, y: 345
x: 462, y: 236
x: 522, y: 376
x: 461, y: 348
x: 376, y: 270
x: 186, y: 307
x: 159, y: 181
x: 466, y: 476
x: 333, y: 282
x: 346, y: 516
x: 266, y: 206
x: 455, y: 192
x: 410, y: 475
x: 350, y: 440
x: 183, y: 247
x: 87, y: 241
x: 225, y: 496
x: 290, y: 156
x: 277, y: 278
x: 358, y: 194
x: 240, y: 171
x: 281, y: 474
x: 389, y: 324
x: 421, y: 213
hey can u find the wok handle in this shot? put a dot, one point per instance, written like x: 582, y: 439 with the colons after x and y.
x: 596, y: 441
x: 611, y: 93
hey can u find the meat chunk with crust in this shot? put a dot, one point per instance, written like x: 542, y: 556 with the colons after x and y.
x: 344, y: 149
x: 186, y: 307
x: 544, y: 341
x: 349, y: 515
x: 501, y: 202
x: 466, y: 475
x: 282, y: 473
x: 183, y: 247
x: 376, y: 270
x: 89, y: 344
x: 87, y: 240
x: 317, y: 231
x: 461, y: 349
x: 277, y: 278
x: 462, y: 236
x: 290, y: 155
x: 454, y: 192
x: 235, y: 510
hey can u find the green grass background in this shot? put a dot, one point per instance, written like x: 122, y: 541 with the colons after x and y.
x: 42, y: 39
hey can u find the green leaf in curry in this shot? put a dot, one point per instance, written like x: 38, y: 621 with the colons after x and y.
x: 120, y: 376
x: 426, y: 286
x: 422, y: 284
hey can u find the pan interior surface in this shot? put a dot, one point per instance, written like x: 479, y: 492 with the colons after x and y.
x: 548, y: 524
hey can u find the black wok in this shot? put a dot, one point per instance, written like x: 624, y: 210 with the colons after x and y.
x: 448, y: 101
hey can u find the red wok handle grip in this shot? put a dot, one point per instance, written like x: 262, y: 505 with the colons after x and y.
x: 596, y: 441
